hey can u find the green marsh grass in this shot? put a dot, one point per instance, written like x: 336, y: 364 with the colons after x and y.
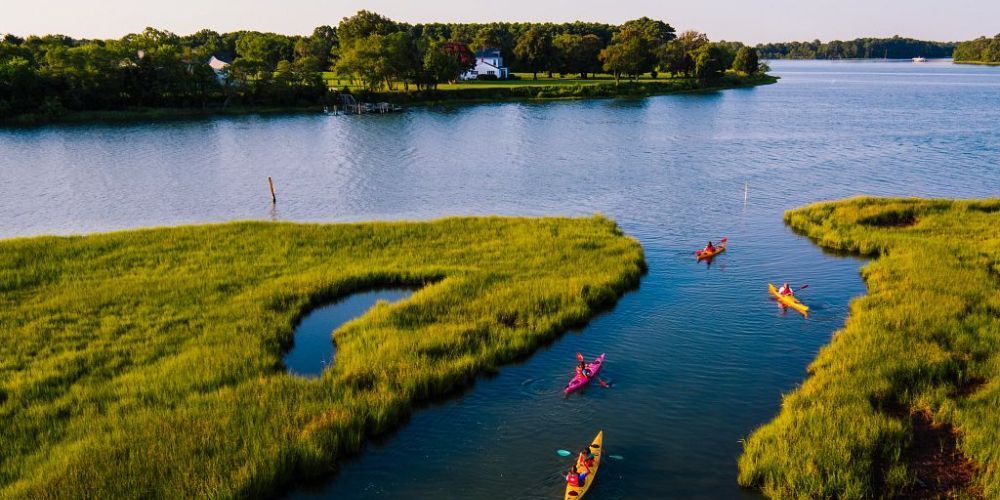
x: 925, y: 339
x: 148, y: 363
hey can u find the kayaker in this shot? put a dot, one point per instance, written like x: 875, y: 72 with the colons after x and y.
x: 576, y: 477
x: 582, y: 370
x: 785, y: 290
x: 709, y: 248
x: 586, y: 457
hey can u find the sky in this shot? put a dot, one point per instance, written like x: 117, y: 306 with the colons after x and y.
x: 751, y: 21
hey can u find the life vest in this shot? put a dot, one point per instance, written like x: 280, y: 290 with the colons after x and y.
x: 573, y: 479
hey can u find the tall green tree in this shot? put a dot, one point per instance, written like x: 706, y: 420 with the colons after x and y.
x: 654, y: 32
x: 534, y: 50
x: 629, y: 56
x: 746, y: 61
x: 577, y: 53
x: 673, y: 58
x: 708, y: 64
x: 363, y: 25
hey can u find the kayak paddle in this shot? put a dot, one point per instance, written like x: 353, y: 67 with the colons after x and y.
x: 566, y: 453
x: 603, y: 383
x: 803, y: 287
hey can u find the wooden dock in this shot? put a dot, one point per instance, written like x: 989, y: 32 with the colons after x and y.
x: 350, y: 106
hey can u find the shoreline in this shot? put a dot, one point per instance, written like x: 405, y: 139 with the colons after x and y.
x: 978, y: 63
x: 514, y: 93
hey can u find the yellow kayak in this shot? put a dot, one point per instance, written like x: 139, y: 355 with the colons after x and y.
x: 788, y: 300
x: 597, y: 449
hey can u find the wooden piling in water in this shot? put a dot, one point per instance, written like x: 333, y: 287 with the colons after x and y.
x: 270, y: 183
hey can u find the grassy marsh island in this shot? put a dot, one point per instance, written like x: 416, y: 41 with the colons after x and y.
x: 915, y: 369
x: 147, y: 363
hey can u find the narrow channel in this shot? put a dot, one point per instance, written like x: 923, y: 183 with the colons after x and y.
x: 313, y: 349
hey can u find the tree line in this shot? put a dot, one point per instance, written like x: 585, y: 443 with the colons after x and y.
x: 380, y: 53
x: 982, y: 50
x: 860, y: 48
x: 53, y: 74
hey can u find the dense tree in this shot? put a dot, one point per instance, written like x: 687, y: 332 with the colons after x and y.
x: 891, y: 48
x: 461, y: 53
x: 364, y: 59
x: 535, y: 51
x: 746, y: 61
x: 494, y: 36
x: 363, y: 25
x: 654, y: 32
x: 672, y: 57
x: 577, y: 53
x: 709, y: 63
x: 628, y: 56
x: 268, y: 48
x: 982, y: 49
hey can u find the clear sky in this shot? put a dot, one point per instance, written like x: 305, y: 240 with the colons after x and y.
x: 745, y: 20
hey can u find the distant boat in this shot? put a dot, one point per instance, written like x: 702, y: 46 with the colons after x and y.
x: 919, y: 59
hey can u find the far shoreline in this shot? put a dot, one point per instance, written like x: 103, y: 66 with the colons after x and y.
x: 525, y: 93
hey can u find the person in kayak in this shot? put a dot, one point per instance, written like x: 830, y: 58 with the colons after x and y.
x: 785, y: 290
x: 586, y: 457
x: 582, y: 370
x: 709, y: 248
x: 576, y: 477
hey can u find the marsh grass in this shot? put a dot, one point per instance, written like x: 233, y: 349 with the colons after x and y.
x: 148, y: 363
x: 924, y: 340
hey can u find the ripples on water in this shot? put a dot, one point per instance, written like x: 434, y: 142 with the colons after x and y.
x: 699, y: 355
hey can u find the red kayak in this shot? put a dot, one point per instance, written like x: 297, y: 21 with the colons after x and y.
x: 580, y: 381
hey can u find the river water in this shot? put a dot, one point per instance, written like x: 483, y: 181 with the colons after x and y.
x: 697, y: 357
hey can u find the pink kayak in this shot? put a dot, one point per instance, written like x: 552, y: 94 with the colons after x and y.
x: 580, y: 381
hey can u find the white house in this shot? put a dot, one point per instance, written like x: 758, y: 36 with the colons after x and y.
x: 488, y: 62
x: 219, y: 66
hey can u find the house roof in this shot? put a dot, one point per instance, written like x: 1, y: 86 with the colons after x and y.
x: 217, y: 64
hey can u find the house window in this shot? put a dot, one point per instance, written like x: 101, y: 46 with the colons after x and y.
x: 491, y: 72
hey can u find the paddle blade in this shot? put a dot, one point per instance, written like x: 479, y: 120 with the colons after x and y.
x: 579, y: 357
x: 616, y: 457
x: 723, y: 240
x: 803, y: 287
x: 563, y: 453
x: 603, y: 383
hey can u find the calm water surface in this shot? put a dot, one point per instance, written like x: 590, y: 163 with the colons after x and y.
x: 313, y: 350
x: 697, y: 357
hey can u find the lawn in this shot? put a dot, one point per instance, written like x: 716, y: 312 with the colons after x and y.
x: 148, y: 363
x: 918, y: 360
x: 522, y: 80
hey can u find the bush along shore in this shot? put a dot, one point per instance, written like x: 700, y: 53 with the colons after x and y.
x: 148, y: 363
x: 904, y: 399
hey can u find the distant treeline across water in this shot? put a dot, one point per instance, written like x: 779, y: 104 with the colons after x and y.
x: 860, y: 48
